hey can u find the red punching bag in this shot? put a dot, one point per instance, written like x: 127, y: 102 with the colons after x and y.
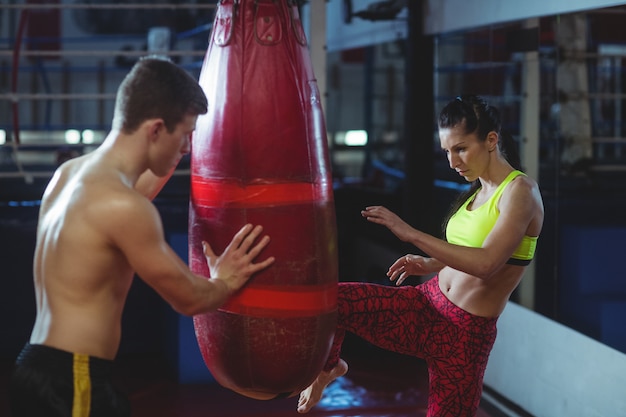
x: 260, y: 156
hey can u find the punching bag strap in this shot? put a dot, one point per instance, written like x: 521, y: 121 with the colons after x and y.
x: 224, y: 22
x: 296, y: 22
x: 267, y: 28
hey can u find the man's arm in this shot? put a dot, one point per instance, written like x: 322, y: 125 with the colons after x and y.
x: 136, y: 230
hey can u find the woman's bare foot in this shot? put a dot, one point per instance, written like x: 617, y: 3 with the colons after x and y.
x: 313, y: 393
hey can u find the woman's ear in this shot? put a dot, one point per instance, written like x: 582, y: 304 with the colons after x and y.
x: 492, y: 140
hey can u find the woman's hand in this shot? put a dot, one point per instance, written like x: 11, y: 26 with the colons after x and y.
x: 409, y: 265
x: 382, y: 215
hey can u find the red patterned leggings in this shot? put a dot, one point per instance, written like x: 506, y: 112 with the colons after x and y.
x: 420, y: 321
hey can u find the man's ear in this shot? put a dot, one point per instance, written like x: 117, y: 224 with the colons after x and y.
x: 154, y: 127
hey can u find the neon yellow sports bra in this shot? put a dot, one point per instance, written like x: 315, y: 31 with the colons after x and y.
x: 471, y: 227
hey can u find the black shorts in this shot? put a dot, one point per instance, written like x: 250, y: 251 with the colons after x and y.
x: 51, y: 382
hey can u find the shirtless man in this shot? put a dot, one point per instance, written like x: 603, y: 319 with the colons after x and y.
x: 97, y: 229
x: 490, y: 237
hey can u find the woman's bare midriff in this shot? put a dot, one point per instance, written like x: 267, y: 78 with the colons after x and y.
x: 481, y: 297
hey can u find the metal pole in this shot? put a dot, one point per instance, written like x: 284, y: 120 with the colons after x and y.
x: 529, y: 150
x: 419, y: 207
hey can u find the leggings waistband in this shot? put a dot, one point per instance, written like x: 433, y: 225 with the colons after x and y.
x: 432, y: 288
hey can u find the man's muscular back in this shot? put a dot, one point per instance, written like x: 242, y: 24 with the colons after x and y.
x: 81, y: 278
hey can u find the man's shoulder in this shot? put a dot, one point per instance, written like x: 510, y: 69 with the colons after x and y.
x: 103, y: 194
x: 114, y: 196
x: 114, y: 212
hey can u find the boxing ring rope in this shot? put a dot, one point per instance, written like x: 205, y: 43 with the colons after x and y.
x: 116, y: 6
x: 57, y: 96
x: 85, y: 53
x: 16, y: 54
x: 49, y: 173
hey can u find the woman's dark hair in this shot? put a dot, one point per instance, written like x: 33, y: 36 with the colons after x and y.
x: 157, y: 88
x: 476, y: 116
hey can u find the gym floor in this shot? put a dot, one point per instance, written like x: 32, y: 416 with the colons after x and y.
x: 378, y: 384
